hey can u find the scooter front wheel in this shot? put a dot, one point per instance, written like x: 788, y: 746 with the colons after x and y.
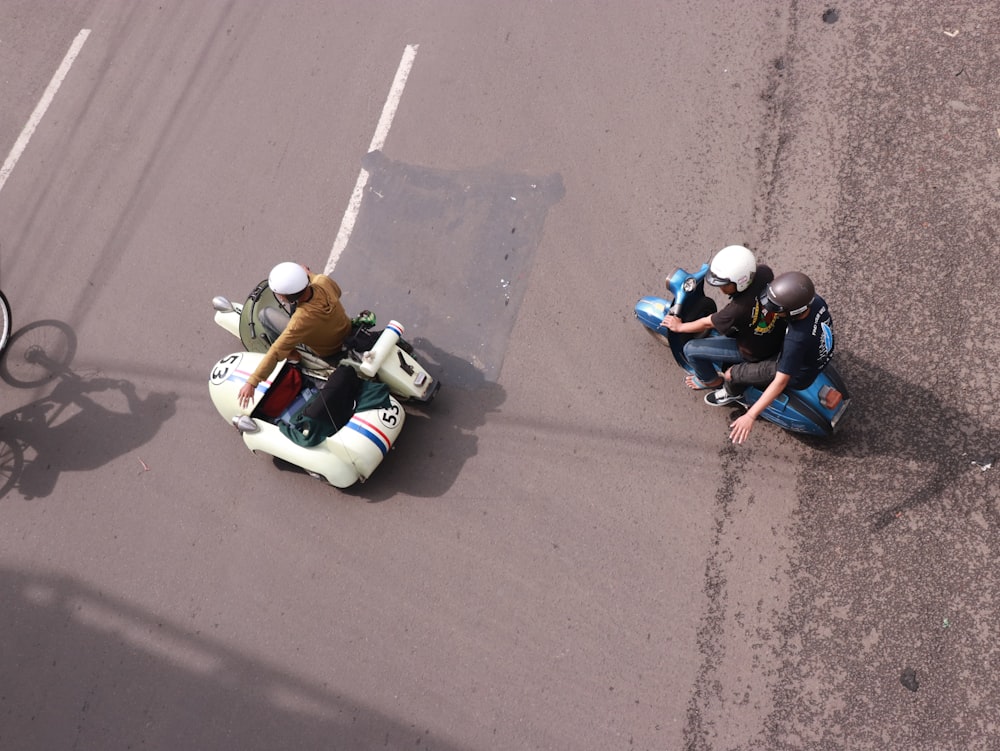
x: 661, y: 338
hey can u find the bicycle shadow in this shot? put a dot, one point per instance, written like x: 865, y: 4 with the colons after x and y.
x: 82, y: 424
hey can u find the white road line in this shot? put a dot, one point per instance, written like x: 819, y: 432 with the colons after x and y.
x: 378, y: 141
x: 43, y: 104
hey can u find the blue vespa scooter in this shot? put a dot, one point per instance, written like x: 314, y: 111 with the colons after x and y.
x: 816, y: 410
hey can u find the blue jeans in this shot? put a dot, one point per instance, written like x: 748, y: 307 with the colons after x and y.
x: 704, y: 354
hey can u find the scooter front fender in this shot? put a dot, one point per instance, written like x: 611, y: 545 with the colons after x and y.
x: 650, y: 311
x: 229, y: 320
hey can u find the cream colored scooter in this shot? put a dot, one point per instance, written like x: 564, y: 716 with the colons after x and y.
x: 387, y: 361
x: 271, y: 424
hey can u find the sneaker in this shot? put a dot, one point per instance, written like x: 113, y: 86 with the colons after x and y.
x: 720, y: 398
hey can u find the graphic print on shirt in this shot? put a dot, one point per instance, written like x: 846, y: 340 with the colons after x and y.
x: 825, y: 343
x: 762, y: 321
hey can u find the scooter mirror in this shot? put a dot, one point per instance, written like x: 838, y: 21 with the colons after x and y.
x: 222, y: 305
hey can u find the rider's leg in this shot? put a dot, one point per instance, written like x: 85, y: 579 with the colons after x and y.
x: 705, y: 353
x: 274, y: 321
x: 745, y: 374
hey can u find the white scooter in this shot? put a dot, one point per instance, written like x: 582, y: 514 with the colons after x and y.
x: 271, y: 423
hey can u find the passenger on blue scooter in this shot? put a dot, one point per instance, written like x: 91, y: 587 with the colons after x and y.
x: 751, y: 333
x: 805, y: 351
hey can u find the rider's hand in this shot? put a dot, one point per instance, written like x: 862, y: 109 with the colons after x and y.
x: 245, y: 395
x: 673, y: 323
x: 740, y: 428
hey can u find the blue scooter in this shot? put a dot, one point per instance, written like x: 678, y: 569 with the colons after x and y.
x: 816, y: 410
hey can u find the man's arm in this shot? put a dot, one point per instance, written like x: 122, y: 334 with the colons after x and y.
x: 280, y: 349
x: 742, y: 425
x: 675, y: 324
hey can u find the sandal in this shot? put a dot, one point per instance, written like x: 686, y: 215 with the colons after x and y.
x: 694, y: 382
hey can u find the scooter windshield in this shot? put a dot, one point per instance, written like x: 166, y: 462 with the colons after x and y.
x: 254, y: 335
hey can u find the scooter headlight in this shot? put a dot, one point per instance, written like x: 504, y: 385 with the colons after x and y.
x: 689, y: 284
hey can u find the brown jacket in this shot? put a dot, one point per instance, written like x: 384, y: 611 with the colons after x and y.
x: 321, y: 324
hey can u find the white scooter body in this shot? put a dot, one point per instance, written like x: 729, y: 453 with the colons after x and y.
x: 385, y: 361
x: 351, y: 454
x: 348, y: 456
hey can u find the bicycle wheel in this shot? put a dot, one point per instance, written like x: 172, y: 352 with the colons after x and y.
x: 5, y: 326
x: 11, y: 463
x: 37, y: 353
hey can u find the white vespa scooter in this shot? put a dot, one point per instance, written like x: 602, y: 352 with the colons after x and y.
x: 358, y: 446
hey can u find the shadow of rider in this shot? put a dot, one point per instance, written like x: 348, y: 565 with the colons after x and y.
x: 83, y: 424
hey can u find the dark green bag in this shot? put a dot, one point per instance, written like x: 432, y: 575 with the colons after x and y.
x: 331, y: 408
x: 373, y: 396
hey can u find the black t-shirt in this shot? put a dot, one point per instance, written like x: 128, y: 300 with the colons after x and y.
x: 757, y: 332
x: 808, y: 345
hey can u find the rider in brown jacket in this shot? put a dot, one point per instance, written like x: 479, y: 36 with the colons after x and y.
x: 318, y: 321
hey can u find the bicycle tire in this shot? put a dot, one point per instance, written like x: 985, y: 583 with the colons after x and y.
x: 5, y: 322
x: 37, y: 353
x: 11, y: 464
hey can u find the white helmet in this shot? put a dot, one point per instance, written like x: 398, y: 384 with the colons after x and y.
x: 288, y: 278
x: 734, y: 264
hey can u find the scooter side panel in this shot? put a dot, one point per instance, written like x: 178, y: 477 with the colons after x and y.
x: 801, y: 410
x: 339, y: 471
x: 228, y: 376
x: 406, y: 377
x: 367, y: 438
x: 797, y: 414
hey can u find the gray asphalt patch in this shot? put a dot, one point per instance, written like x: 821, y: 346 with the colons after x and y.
x: 448, y: 254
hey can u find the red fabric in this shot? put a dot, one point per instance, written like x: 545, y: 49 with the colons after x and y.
x: 281, y: 393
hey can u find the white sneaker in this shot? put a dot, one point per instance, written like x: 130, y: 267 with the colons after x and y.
x: 720, y: 398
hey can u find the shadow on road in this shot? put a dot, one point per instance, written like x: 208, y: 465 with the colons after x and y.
x: 437, y: 438
x: 894, y: 578
x: 80, y: 425
x: 87, y: 670
x: 915, y: 446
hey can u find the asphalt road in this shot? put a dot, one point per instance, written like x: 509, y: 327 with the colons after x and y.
x: 563, y: 551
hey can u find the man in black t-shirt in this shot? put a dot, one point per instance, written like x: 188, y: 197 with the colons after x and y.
x: 807, y: 348
x: 751, y: 333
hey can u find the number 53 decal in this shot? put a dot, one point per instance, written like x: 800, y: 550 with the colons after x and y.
x: 224, y: 367
x: 389, y: 416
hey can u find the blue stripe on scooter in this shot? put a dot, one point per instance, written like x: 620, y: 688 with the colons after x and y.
x: 369, y: 435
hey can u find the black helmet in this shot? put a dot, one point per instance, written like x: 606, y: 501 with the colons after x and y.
x: 790, y: 293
